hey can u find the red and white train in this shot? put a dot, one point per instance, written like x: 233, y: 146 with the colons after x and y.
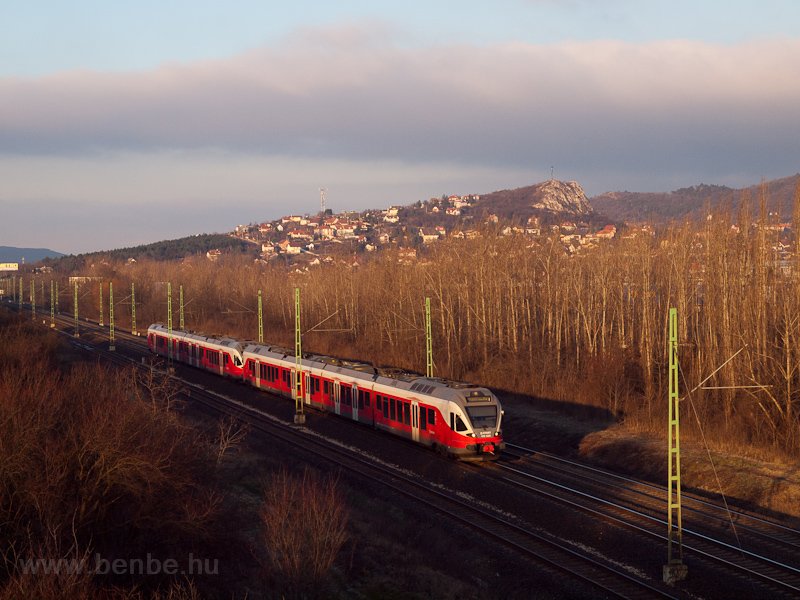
x: 456, y: 419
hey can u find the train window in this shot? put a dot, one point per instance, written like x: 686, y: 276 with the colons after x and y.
x: 406, y: 413
x: 423, y: 421
x: 385, y: 407
x: 226, y: 359
x: 392, y: 412
x: 360, y: 399
x: 251, y: 366
x: 366, y: 399
x: 483, y: 417
x: 431, y: 416
x: 345, y: 395
x: 460, y: 426
x: 378, y: 403
x: 237, y: 361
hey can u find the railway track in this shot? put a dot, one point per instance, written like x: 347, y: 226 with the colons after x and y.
x: 607, y: 578
x: 636, y: 505
x: 763, y: 552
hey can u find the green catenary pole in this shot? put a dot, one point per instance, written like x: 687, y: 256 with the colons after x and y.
x: 674, y: 570
x: 52, y: 304
x: 111, y: 316
x: 169, y: 320
x: 75, y: 307
x: 182, y: 324
x: 428, y: 339
x: 133, y: 308
x: 260, y: 320
x: 299, y: 415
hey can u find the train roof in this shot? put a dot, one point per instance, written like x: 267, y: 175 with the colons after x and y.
x: 388, y: 377
x: 356, y: 370
x: 219, y: 341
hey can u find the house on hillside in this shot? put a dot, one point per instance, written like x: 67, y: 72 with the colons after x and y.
x: 428, y: 235
x: 607, y: 233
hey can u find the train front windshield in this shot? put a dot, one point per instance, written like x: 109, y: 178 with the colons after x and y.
x: 483, y: 417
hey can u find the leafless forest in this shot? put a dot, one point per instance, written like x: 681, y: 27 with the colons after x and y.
x: 522, y: 316
x: 99, y: 465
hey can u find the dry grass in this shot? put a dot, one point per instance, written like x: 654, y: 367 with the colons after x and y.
x: 747, y: 481
x: 304, y: 526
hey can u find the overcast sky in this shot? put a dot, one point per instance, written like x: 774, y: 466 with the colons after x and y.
x: 124, y: 123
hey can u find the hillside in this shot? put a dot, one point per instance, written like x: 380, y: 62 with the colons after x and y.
x: 690, y: 202
x: 30, y: 255
x: 165, y: 250
x: 548, y: 200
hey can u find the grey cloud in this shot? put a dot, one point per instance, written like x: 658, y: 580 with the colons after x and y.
x: 595, y: 107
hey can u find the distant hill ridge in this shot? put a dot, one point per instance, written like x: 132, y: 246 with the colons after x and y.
x: 690, y: 203
x: 31, y: 255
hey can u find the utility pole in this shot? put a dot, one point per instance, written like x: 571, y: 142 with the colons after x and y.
x: 20, y: 294
x: 33, y: 300
x: 428, y: 340
x: 58, y: 305
x: 101, y: 304
x: 260, y: 320
x: 181, y: 310
x: 674, y: 570
x: 14, y: 290
x: 299, y: 415
x: 111, y: 345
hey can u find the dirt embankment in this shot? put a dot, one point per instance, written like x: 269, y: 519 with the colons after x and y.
x: 747, y: 481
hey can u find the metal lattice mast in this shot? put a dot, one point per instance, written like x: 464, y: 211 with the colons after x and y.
x: 101, y: 305
x: 260, y: 319
x: 674, y: 570
x: 75, y: 309
x: 181, y: 310
x: 299, y: 415
x: 52, y: 304
x: 20, y: 293
x: 111, y: 315
x: 58, y: 304
x: 169, y: 319
x: 14, y: 290
x: 33, y: 300
x: 428, y: 339
x: 133, y: 308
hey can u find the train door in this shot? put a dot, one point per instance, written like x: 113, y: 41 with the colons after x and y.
x: 337, y: 407
x: 308, y: 388
x: 355, y: 398
x: 415, y: 420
